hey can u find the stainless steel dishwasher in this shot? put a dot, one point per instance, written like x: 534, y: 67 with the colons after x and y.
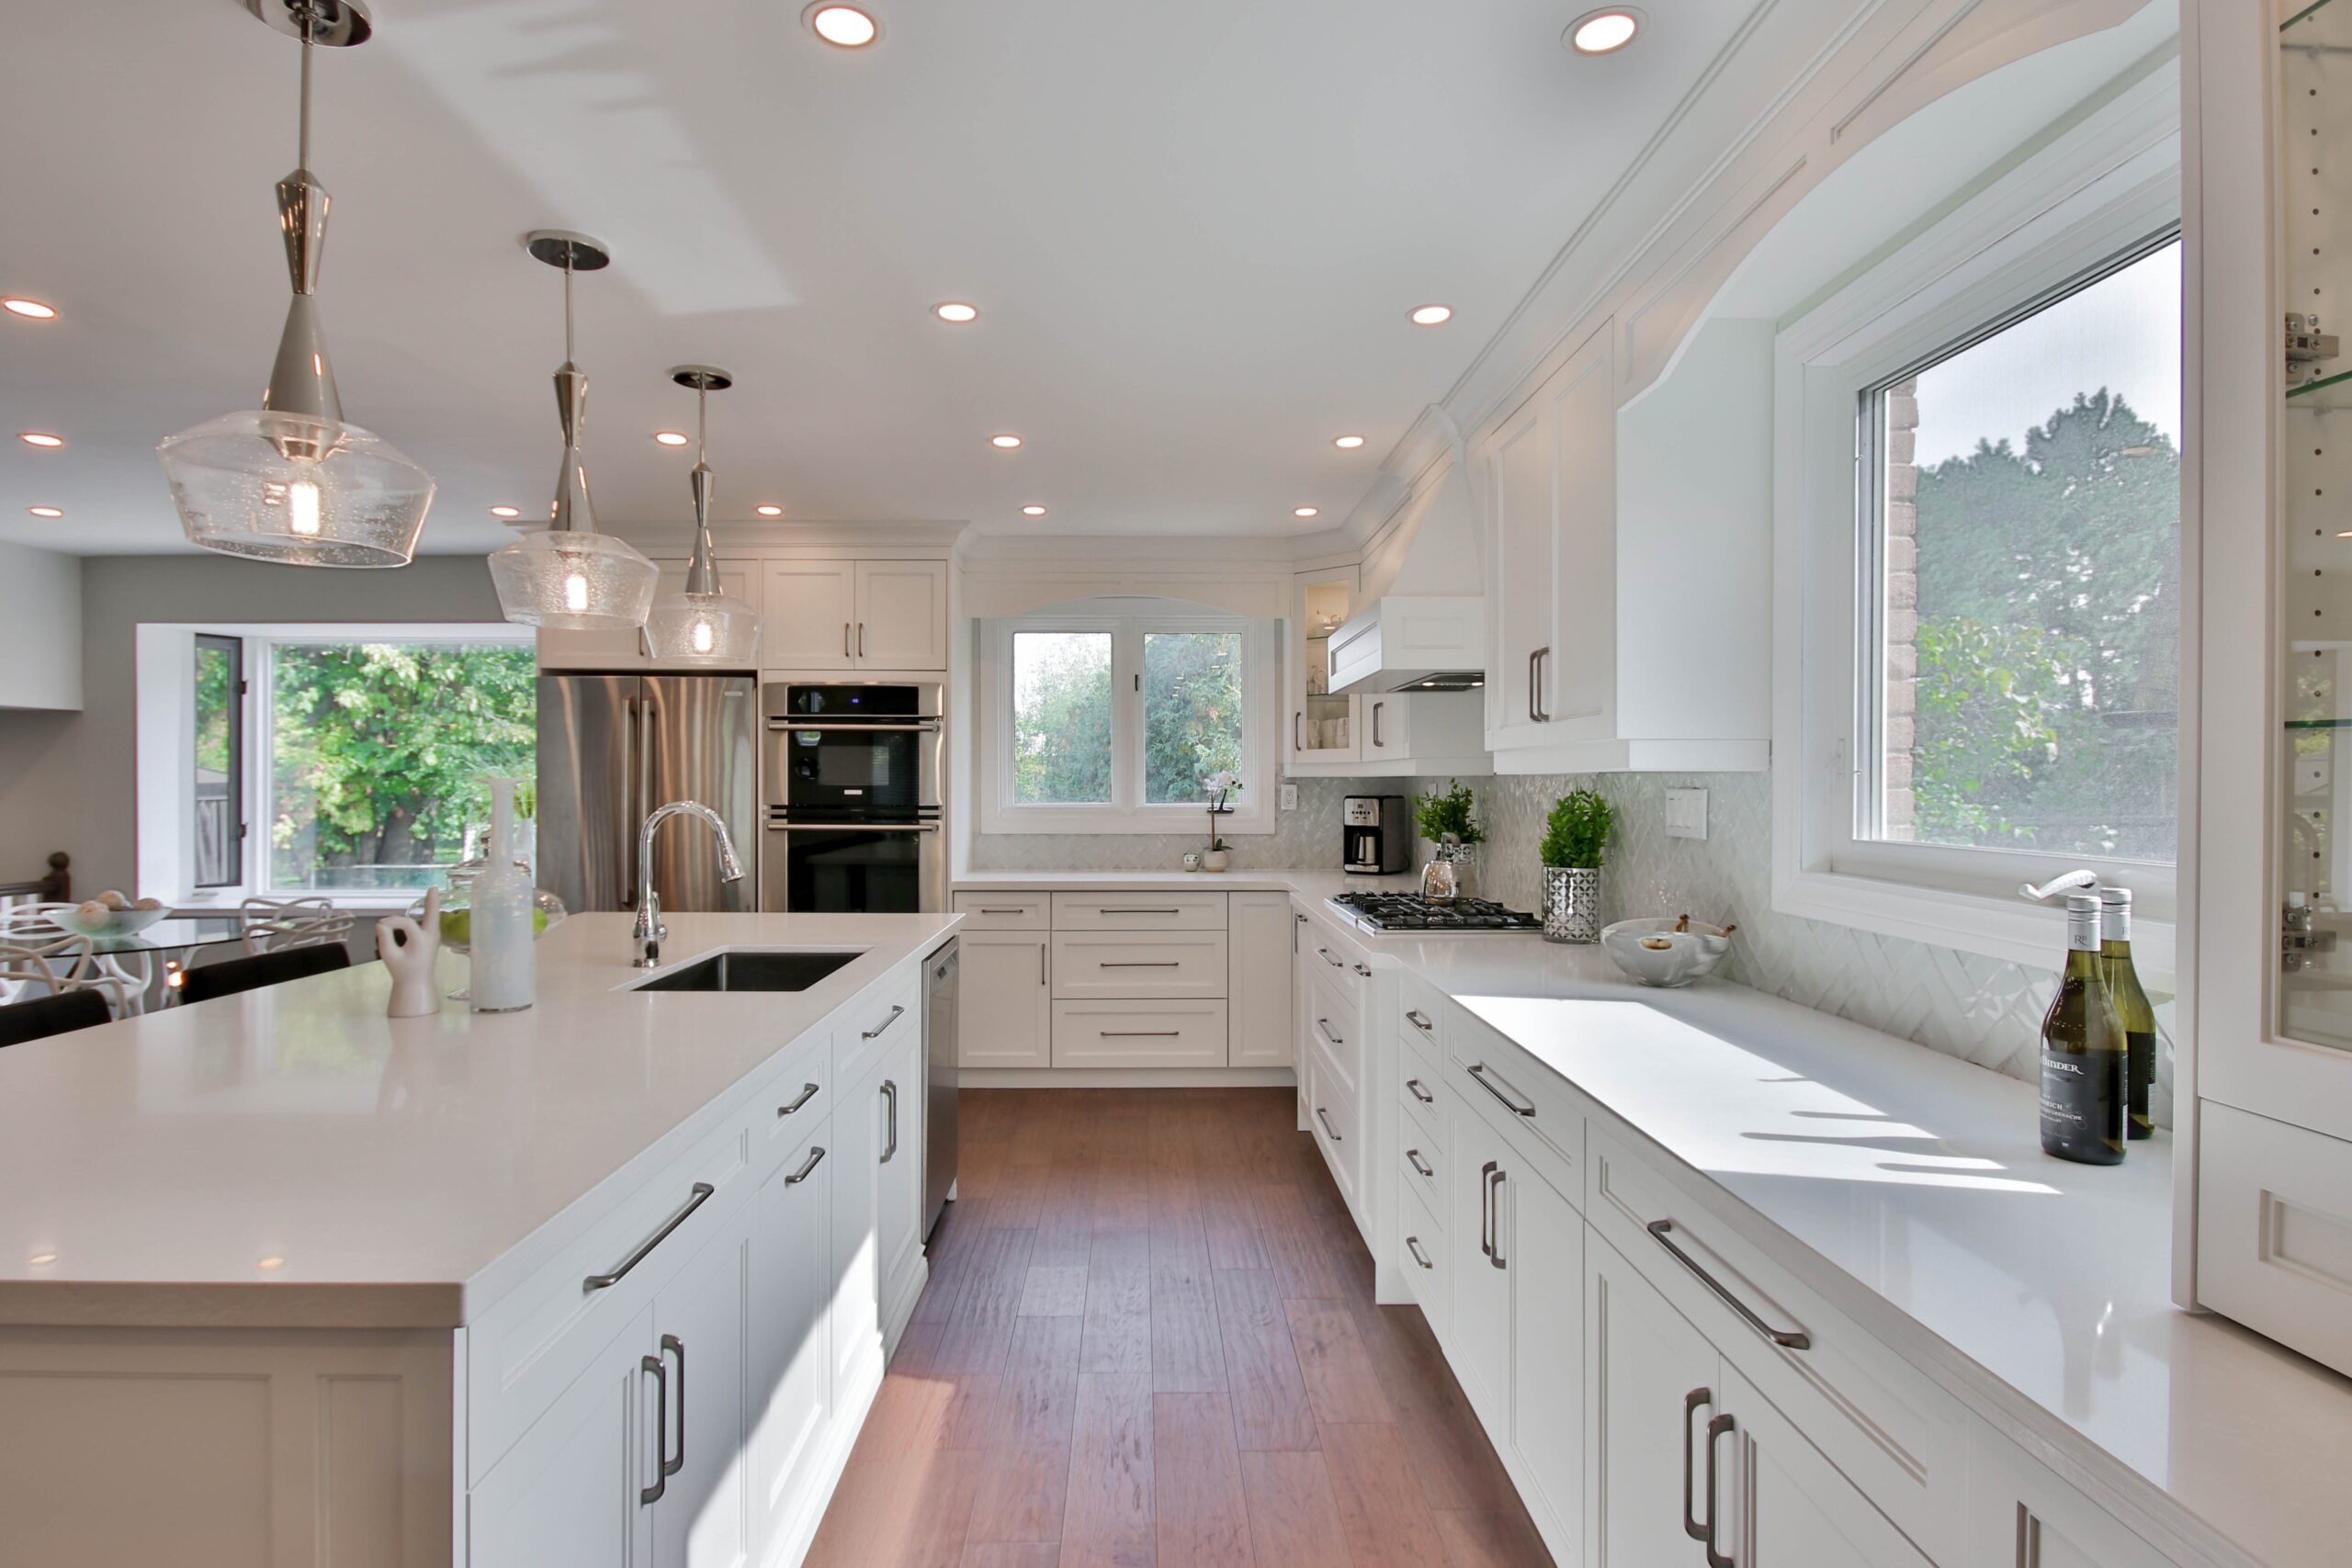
x: 940, y: 1073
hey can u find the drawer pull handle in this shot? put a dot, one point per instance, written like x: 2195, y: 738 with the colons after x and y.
x: 1413, y: 1246
x: 1716, y: 1428
x: 1362, y: 969
x: 1495, y: 1224
x: 1021, y: 909
x: 878, y: 1029
x: 1420, y: 1092
x: 647, y: 1495
x: 1413, y: 1157
x: 1323, y: 1027
x: 890, y: 1093
x: 1334, y: 1132
x: 1413, y: 1016
x: 1787, y: 1339
x: 1334, y: 963
x: 702, y: 1191
x: 672, y: 1345
x: 1139, y: 964
x: 1516, y: 1102
x: 1690, y: 1525
x: 816, y: 1156
x: 1138, y: 1033
x: 1107, y: 910
x: 807, y: 1093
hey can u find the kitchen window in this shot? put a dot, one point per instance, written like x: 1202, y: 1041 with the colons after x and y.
x: 1108, y: 723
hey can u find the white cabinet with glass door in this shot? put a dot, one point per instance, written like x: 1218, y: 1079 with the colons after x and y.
x: 1318, y: 727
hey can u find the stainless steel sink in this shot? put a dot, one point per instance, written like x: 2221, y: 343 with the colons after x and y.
x: 750, y: 969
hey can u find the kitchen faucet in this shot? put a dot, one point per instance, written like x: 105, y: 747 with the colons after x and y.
x: 649, y: 931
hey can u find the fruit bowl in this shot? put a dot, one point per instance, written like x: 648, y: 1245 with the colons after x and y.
x: 98, y: 923
x: 1655, y: 954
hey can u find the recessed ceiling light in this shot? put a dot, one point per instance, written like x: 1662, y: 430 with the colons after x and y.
x: 1346, y: 443
x: 41, y: 1261
x: 1005, y: 443
x: 1431, y: 315
x: 1304, y: 511
x: 845, y: 27
x: 506, y: 512
x: 32, y: 310
x: 1032, y: 512
x: 272, y: 1261
x: 769, y: 511
x: 672, y: 438
x: 46, y: 511
x: 1604, y: 32
x: 956, y: 310
x: 39, y: 439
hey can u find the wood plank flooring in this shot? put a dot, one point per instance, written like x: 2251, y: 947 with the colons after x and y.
x: 1149, y: 1341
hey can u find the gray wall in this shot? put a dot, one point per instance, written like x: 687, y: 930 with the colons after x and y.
x: 68, y: 779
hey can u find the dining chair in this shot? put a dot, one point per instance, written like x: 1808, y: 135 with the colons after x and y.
x: 37, y: 1018
x: 37, y: 924
x: 37, y: 962
x: 230, y: 975
x: 272, y: 925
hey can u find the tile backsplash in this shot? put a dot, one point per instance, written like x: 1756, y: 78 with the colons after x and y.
x: 1301, y: 839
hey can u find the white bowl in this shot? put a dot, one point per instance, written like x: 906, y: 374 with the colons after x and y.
x: 1655, y: 954
x: 117, y: 922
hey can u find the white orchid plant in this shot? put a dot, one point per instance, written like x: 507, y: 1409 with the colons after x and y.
x: 1218, y: 787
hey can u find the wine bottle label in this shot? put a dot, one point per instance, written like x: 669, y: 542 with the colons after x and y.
x: 2082, y: 1104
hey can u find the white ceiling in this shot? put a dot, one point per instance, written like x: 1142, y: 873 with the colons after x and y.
x: 1193, y: 230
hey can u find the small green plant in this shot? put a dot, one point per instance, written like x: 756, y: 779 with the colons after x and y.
x: 1576, y: 830
x: 1452, y: 812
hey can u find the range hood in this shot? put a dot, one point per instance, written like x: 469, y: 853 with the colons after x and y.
x: 1412, y: 642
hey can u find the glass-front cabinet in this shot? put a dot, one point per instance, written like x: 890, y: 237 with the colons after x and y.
x: 1320, y: 726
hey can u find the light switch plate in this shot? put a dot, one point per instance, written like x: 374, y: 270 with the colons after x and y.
x: 1686, y: 814
x: 1290, y: 798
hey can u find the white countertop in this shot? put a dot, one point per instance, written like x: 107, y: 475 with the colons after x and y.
x: 392, y: 1166
x: 2035, y: 1290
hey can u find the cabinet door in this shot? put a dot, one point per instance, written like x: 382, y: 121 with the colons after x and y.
x: 1481, y: 1307
x: 1258, y: 986
x: 1302, y: 992
x: 901, y: 614
x: 701, y: 1519
x: 1778, y: 1504
x: 809, y: 615
x: 568, y: 1491
x: 1654, y: 1386
x: 1319, y: 727
x: 854, y: 1321
x: 899, y: 1164
x: 1518, y: 505
x: 1577, y: 681
x: 1387, y: 726
x: 789, y: 1350
x: 2023, y: 1515
x: 1005, y: 1018
x: 1543, y: 1258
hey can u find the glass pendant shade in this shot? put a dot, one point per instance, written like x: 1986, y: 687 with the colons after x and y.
x: 699, y: 623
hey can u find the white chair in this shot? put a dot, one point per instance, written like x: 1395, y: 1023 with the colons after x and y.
x: 271, y: 925
x: 32, y: 966
x: 129, y: 975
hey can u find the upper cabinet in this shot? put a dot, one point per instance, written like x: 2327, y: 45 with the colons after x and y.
x: 855, y: 614
x: 1366, y: 733
x: 1630, y: 556
x: 903, y: 614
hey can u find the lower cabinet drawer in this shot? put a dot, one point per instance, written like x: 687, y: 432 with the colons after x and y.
x: 1531, y: 1105
x: 1005, y: 911
x: 1334, y: 1026
x: 1423, y: 1090
x: 2274, y: 1248
x: 873, y: 1025
x: 1145, y: 1034
x: 1426, y: 1169
x: 1118, y: 965
x: 1422, y: 1256
x: 1332, y: 1117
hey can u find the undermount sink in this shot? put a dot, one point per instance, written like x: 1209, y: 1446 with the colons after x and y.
x: 750, y: 969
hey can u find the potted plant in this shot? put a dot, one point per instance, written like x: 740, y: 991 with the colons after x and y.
x: 1219, y: 788
x: 1574, y: 835
x: 1449, y: 822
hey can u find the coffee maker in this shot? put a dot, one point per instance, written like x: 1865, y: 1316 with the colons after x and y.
x: 1375, y: 835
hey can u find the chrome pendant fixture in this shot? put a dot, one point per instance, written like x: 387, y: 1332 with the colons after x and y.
x: 290, y: 481
x: 567, y: 576
x: 699, y: 623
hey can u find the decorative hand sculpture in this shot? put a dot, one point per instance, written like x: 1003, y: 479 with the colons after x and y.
x: 409, y: 948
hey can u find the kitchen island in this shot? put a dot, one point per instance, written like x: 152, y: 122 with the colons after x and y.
x: 286, y: 1280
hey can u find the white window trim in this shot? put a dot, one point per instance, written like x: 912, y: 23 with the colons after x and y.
x: 2087, y: 195
x: 1251, y: 810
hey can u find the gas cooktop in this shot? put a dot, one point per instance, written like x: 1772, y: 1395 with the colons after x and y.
x: 1411, y: 912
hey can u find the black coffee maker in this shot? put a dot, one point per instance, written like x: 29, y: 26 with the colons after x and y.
x: 1375, y: 835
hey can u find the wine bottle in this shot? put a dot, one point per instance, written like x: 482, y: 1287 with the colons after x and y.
x: 2083, y: 1051
x: 2132, y: 1007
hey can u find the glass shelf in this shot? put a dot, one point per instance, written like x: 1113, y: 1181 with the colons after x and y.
x: 2304, y: 15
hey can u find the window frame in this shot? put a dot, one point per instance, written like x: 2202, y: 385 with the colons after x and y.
x: 240, y: 813
x: 2065, y: 220
x: 1250, y: 813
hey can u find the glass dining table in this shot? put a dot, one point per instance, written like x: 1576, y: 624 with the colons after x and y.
x: 151, y: 960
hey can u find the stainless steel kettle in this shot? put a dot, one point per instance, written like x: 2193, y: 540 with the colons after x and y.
x: 1441, y: 879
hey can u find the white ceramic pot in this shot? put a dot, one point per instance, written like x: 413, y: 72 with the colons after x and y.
x: 1212, y: 859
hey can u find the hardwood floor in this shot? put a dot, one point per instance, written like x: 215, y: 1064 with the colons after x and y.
x: 1149, y: 1341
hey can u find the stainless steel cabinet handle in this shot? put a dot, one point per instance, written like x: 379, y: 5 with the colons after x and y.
x: 986, y: 910
x: 1413, y: 1157
x: 1041, y: 964
x: 799, y: 727
x: 1296, y: 743
x: 661, y: 1371
x: 1375, y: 724
x: 1716, y: 1428
x: 1334, y: 1132
x: 1413, y: 1016
x: 1334, y: 963
x: 1518, y: 1103
x: 1487, y: 1208
x: 876, y: 1030
x: 1106, y: 910
x: 816, y: 1157
x: 1494, y: 1187
x: 1362, y: 969
x: 701, y: 1194
x: 807, y: 1093
x: 1138, y: 1035
x: 1533, y: 714
x: 1535, y: 686
x: 1297, y: 921
x: 1137, y: 963
x: 1787, y: 1339
x: 890, y: 1093
x: 1413, y: 1246
x: 672, y: 1345
x: 1690, y: 1525
x: 844, y: 640
x: 1420, y: 1092
x: 1323, y: 1027
x: 861, y: 639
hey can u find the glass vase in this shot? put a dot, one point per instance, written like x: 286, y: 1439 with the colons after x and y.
x: 1571, y: 903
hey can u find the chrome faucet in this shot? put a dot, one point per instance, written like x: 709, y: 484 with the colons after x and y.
x: 649, y: 931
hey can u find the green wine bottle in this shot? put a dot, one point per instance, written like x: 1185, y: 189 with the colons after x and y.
x: 2083, y: 1051
x: 2132, y: 1007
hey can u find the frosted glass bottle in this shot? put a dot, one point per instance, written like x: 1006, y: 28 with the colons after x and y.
x: 502, y: 976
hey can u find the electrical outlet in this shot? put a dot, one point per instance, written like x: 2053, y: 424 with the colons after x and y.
x: 1290, y: 798
x: 1686, y: 814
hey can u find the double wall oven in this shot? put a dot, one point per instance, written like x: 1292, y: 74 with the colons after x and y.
x: 854, y: 777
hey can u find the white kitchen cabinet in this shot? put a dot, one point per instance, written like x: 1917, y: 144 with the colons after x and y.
x: 1778, y: 1504
x: 1544, y: 1254
x: 901, y: 614
x: 1480, y: 1351
x: 1319, y: 728
x: 1005, y: 1013
x: 811, y: 615
x: 855, y: 1315
x: 572, y: 1490
x: 899, y: 1183
x: 2022, y: 1515
x: 701, y: 1516
x: 1257, y: 983
x: 789, y: 1355
x: 1653, y: 1388
x: 1140, y: 1032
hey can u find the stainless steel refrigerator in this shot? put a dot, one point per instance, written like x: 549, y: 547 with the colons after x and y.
x: 614, y: 746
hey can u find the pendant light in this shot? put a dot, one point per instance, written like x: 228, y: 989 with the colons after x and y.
x: 567, y: 576
x: 699, y: 623
x: 290, y: 481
